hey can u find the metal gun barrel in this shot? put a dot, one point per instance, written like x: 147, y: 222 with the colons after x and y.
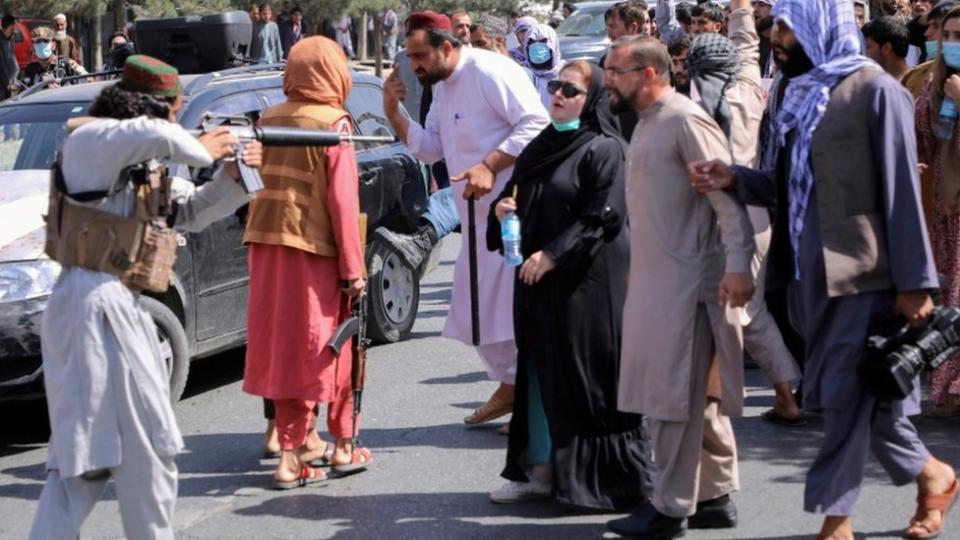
x: 291, y: 136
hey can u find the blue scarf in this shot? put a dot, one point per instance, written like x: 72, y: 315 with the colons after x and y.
x: 828, y: 33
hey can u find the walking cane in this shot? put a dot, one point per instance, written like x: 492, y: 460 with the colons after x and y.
x: 472, y: 251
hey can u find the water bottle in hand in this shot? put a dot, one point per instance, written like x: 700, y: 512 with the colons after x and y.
x: 510, y: 231
x: 947, y: 122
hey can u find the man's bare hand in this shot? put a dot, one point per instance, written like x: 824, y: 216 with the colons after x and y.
x: 915, y: 306
x: 355, y: 287
x: 736, y: 288
x: 394, y: 92
x: 252, y: 156
x: 708, y: 176
x: 220, y: 143
x: 479, y: 178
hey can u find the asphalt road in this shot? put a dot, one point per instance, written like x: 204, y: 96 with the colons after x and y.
x: 431, y: 475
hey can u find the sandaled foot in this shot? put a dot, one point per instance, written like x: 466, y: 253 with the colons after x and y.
x: 932, y: 512
x: 359, y: 460
x: 494, y: 408
x: 308, y: 475
x: 271, y: 443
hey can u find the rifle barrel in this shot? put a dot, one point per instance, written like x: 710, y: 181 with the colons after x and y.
x: 291, y: 136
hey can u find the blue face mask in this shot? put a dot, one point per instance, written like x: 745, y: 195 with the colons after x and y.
x: 43, y: 50
x: 931, y: 50
x: 569, y: 125
x: 539, y: 53
x: 951, y: 54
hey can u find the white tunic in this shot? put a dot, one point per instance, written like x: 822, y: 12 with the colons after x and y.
x: 101, y: 353
x: 487, y: 104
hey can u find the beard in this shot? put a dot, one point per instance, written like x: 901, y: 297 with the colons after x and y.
x: 619, y: 103
x: 431, y: 77
x: 796, y: 61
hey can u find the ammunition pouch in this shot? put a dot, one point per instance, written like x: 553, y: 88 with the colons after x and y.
x: 140, y: 250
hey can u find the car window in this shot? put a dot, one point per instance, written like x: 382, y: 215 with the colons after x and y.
x: 584, y: 22
x: 31, y: 134
x: 365, y: 104
x: 243, y: 103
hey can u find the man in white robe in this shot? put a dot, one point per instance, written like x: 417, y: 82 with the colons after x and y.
x: 107, y: 386
x: 484, y: 113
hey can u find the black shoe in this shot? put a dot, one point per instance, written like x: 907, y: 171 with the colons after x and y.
x: 648, y: 524
x: 415, y: 247
x: 719, y: 513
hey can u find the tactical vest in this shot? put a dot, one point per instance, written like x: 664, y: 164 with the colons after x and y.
x: 141, y: 249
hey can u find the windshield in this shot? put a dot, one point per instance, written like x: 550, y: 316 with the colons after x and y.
x: 31, y: 134
x: 584, y: 22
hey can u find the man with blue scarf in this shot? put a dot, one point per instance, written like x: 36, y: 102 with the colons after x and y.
x: 839, y: 168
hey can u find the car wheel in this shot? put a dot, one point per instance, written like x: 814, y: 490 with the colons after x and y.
x: 393, y: 295
x: 173, y: 345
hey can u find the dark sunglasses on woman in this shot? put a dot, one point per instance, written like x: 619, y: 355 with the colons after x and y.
x: 567, y: 89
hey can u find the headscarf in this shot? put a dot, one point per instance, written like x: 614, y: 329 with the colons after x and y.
x: 543, y: 76
x: 520, y: 53
x: 317, y: 72
x: 551, y: 147
x: 827, y: 31
x: 713, y: 63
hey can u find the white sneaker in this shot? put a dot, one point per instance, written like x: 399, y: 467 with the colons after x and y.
x: 513, y: 492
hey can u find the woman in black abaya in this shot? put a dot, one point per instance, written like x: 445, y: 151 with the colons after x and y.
x: 567, y: 439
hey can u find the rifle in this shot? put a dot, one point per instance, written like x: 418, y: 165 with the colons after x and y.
x: 244, y: 129
x: 354, y: 328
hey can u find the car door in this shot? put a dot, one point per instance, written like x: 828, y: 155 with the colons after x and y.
x: 220, y: 269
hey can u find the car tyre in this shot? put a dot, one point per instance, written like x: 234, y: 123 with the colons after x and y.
x: 393, y: 295
x: 173, y: 345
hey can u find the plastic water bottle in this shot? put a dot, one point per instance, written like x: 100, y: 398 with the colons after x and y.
x: 510, y: 231
x: 944, y: 128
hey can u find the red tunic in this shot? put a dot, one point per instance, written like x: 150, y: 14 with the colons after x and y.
x: 296, y: 302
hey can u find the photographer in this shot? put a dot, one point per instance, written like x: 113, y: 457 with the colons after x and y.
x: 106, y: 380
x: 850, y: 239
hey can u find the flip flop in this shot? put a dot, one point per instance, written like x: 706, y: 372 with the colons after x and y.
x: 940, y: 501
x: 360, y: 459
x: 308, y: 475
x: 774, y: 417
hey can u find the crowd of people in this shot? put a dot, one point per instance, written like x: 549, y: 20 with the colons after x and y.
x: 756, y: 181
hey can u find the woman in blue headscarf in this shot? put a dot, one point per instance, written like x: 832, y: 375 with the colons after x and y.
x: 542, y: 47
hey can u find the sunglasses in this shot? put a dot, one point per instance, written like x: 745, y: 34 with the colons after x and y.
x: 567, y: 89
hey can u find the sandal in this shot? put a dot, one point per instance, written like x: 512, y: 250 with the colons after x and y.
x: 928, y: 502
x: 494, y: 408
x: 308, y: 475
x: 360, y: 458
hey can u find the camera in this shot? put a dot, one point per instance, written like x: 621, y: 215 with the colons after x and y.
x: 897, y: 353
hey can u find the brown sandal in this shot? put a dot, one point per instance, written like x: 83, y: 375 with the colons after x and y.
x: 494, y: 408
x: 941, y: 502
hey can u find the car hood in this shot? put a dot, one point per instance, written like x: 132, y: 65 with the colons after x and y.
x: 23, y: 202
x: 573, y: 47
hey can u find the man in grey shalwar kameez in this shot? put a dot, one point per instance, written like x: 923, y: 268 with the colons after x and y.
x: 850, y: 238
x: 106, y: 382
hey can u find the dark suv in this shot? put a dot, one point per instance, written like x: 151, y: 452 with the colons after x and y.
x: 205, y: 310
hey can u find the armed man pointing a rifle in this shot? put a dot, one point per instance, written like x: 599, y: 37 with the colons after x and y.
x: 306, y: 263
x: 484, y: 113
x: 107, y: 384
